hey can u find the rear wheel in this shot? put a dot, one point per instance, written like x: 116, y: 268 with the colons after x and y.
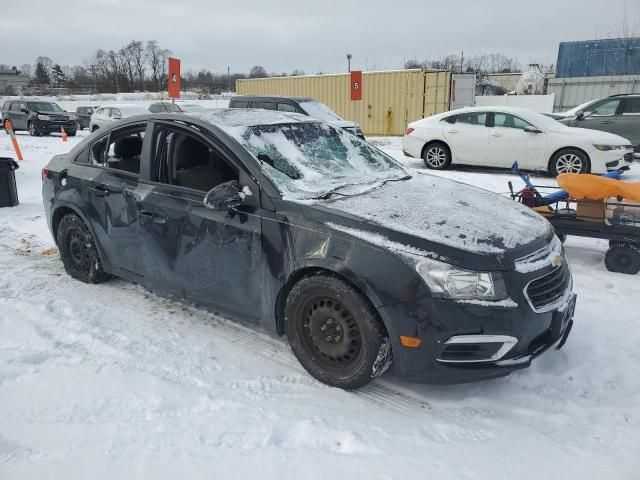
x: 623, y: 258
x: 78, y: 250
x: 569, y: 160
x: 335, y: 333
x: 436, y: 156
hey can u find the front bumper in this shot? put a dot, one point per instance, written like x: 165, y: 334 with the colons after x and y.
x: 48, y: 126
x: 603, y: 162
x: 437, y: 321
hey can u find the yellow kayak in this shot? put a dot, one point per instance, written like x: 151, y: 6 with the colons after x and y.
x: 594, y: 187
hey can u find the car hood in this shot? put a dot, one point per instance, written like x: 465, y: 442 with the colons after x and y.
x: 594, y: 136
x: 439, y: 218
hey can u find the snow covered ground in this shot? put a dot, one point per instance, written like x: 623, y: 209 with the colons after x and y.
x: 110, y: 381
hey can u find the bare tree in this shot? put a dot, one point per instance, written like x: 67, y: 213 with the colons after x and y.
x: 157, y: 59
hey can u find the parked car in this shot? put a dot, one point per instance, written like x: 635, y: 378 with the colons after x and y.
x: 499, y: 136
x: 619, y: 114
x: 281, y: 220
x: 38, y: 117
x: 106, y: 114
x: 303, y: 105
x: 83, y: 116
x: 179, y: 107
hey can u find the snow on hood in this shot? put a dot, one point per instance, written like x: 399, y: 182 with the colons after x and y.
x: 447, y: 212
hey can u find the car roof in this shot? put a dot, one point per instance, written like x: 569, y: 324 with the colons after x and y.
x: 273, y: 97
x: 247, y: 117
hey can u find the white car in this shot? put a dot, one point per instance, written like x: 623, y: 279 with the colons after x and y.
x: 499, y: 136
x: 105, y: 114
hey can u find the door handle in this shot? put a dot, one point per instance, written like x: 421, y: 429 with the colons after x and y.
x: 146, y: 216
x: 99, y: 191
x: 452, y: 131
x: 607, y: 122
x: 496, y: 134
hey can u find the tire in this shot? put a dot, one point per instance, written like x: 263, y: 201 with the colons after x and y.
x: 569, y: 160
x: 623, y: 258
x: 562, y: 237
x: 33, y: 131
x: 437, y: 156
x: 71, y: 133
x: 78, y: 126
x: 94, y: 128
x: 78, y: 250
x: 335, y: 333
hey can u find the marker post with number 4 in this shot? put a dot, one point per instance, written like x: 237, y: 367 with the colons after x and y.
x: 16, y: 147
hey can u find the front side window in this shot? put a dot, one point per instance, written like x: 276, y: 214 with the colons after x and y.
x: 310, y: 160
x: 472, y: 118
x: 264, y: 105
x: 632, y: 106
x: 506, y: 120
x: 185, y: 160
x: 285, y: 107
x: 240, y: 104
x: 15, y: 107
x: 605, y: 109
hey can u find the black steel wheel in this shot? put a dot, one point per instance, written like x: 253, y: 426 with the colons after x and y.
x: 78, y: 250
x: 335, y: 333
x: 623, y: 258
x: 437, y: 156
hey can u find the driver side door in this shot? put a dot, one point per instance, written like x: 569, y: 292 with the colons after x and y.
x: 602, y: 116
x: 212, y: 257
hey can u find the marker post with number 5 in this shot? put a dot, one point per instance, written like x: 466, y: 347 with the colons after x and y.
x: 14, y: 141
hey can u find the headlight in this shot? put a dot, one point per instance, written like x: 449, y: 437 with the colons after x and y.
x: 605, y: 148
x: 445, y: 280
x: 44, y: 117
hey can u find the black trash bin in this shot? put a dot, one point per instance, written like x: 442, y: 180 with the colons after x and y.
x: 8, y: 190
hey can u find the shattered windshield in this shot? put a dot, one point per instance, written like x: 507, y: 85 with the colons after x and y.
x: 310, y: 160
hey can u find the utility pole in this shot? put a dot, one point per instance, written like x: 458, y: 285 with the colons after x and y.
x: 349, y: 62
x: 228, y: 78
x: 462, y: 62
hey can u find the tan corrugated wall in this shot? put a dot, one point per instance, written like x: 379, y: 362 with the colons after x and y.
x: 390, y: 100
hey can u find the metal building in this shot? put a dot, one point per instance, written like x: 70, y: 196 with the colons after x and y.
x: 597, y: 58
x: 390, y: 99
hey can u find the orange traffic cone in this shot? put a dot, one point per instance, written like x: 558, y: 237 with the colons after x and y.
x: 64, y: 134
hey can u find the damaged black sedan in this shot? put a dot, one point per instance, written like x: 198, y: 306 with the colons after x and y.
x: 293, y: 224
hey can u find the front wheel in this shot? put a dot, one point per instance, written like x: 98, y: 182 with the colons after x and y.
x: 437, y: 156
x: 71, y: 133
x: 335, y: 333
x: 569, y: 160
x: 78, y: 250
x: 33, y: 131
x: 78, y: 126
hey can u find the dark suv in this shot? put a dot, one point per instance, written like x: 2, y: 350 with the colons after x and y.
x: 619, y: 114
x: 83, y: 116
x: 304, y: 105
x: 38, y: 117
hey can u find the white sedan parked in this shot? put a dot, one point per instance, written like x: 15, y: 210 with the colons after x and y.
x: 499, y: 136
x: 106, y: 114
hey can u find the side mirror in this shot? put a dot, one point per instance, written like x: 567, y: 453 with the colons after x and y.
x: 24, y: 110
x: 579, y: 115
x: 224, y: 196
x: 530, y: 129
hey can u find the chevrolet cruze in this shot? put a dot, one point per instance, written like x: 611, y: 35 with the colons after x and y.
x: 293, y: 224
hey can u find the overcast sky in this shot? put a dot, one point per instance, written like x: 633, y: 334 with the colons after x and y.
x: 309, y: 35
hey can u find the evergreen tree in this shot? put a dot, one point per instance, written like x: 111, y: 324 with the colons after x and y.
x: 42, y: 76
x: 58, y: 78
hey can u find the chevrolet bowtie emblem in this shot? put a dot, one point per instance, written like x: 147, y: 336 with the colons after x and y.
x: 557, y: 261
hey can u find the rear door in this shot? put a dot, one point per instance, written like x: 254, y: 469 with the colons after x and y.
x: 508, y: 142
x: 628, y: 123
x: 602, y: 116
x: 468, y: 137
x: 114, y: 193
x: 211, y: 257
x: 19, y: 115
x: 267, y: 105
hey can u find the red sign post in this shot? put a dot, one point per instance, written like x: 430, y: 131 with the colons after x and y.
x: 356, y: 85
x: 173, y: 80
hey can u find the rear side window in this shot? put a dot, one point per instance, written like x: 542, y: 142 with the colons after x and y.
x: 285, y: 107
x: 264, y: 105
x: 240, y: 104
x: 450, y: 119
x: 82, y: 157
x: 15, y: 107
x: 632, y: 106
x: 120, y: 150
x: 473, y: 118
